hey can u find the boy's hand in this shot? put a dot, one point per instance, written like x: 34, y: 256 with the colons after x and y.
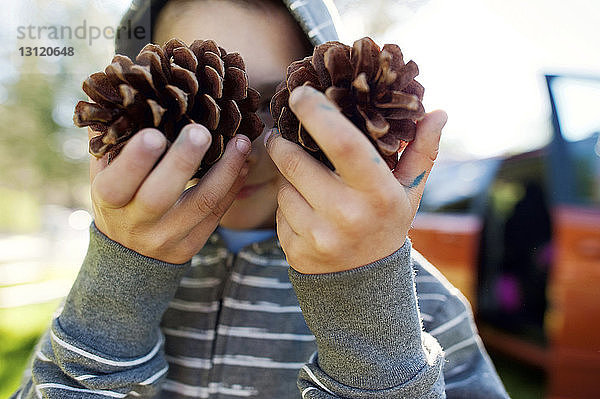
x: 328, y: 222
x: 147, y: 210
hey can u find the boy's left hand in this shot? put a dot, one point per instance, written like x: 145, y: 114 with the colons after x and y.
x: 329, y: 222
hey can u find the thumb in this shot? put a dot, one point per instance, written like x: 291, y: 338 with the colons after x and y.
x: 418, y: 157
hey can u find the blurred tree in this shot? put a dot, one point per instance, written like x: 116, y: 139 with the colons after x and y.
x: 42, y: 155
x: 31, y: 155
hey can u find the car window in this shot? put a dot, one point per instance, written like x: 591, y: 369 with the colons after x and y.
x: 577, y: 105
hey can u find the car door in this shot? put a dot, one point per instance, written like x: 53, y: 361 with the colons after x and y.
x: 574, y: 287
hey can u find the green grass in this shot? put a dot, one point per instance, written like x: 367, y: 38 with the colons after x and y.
x: 20, y: 329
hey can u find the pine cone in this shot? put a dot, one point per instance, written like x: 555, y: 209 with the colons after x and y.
x: 373, y: 88
x: 167, y: 88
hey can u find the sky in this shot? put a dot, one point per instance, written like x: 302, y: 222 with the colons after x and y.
x: 482, y: 61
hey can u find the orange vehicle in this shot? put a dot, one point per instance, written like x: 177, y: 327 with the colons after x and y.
x: 520, y: 236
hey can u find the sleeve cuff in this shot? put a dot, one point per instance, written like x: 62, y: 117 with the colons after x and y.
x: 366, y: 322
x: 118, y: 299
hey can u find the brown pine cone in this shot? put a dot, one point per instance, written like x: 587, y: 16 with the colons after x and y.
x: 373, y: 88
x: 167, y: 88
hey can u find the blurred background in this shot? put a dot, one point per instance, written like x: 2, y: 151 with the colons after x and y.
x: 511, y: 214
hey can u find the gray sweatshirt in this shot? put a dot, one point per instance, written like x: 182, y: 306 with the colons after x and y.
x: 231, y: 326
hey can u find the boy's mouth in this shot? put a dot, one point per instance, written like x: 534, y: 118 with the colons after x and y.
x: 250, y: 189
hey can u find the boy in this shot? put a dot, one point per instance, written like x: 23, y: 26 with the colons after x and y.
x: 143, y: 321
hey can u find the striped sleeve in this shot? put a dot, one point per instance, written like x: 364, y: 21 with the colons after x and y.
x: 106, y: 342
x: 468, y: 370
x: 368, y: 332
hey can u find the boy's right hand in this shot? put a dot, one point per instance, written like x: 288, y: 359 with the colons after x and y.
x: 147, y: 210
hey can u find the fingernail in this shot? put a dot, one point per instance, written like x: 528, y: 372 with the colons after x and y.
x: 153, y: 140
x: 242, y: 145
x: 442, y: 119
x: 198, y: 136
x: 270, y: 133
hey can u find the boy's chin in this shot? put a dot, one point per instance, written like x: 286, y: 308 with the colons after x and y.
x: 247, y: 226
x: 242, y: 220
x: 257, y: 211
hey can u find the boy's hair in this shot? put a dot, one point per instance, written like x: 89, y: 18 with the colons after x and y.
x: 318, y: 20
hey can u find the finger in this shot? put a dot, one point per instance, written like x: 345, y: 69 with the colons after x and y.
x: 96, y: 164
x: 353, y: 156
x: 167, y: 181
x: 291, y: 242
x: 311, y: 178
x: 418, y: 157
x: 294, y: 208
x: 231, y: 194
x: 116, y: 184
x: 286, y: 234
x: 199, y: 233
x: 211, y: 195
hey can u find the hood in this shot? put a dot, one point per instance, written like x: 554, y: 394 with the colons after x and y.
x: 319, y: 20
